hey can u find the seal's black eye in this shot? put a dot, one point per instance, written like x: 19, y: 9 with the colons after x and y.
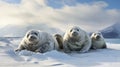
x: 95, y: 34
x: 77, y: 29
x: 35, y: 33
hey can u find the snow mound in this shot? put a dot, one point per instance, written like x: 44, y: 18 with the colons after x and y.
x: 25, y: 53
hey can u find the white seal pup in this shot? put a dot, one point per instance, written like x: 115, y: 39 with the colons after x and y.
x: 38, y: 41
x: 76, y: 39
x: 98, y: 41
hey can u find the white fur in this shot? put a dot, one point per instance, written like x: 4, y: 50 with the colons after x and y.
x: 97, y: 43
x: 80, y: 43
x: 44, y: 42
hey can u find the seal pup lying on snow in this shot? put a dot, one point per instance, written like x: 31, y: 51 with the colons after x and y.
x: 38, y: 41
x: 98, y: 41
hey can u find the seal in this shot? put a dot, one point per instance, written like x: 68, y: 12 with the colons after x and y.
x: 76, y: 39
x: 38, y: 41
x: 98, y: 41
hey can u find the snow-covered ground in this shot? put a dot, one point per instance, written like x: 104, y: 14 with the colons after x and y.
x: 96, y: 58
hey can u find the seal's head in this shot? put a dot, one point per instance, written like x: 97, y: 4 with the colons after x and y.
x: 96, y: 35
x: 75, y: 32
x: 32, y: 36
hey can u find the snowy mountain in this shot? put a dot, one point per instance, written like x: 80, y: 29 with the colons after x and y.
x: 112, y: 31
x: 20, y: 30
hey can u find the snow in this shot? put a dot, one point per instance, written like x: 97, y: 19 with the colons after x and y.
x: 95, y: 58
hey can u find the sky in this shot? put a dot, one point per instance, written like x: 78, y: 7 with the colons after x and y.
x: 113, y: 4
x: 90, y: 15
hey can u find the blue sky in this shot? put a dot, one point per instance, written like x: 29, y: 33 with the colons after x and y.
x: 12, y: 1
x: 112, y: 4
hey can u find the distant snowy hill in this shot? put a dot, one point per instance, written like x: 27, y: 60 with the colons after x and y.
x: 112, y: 31
x: 20, y: 30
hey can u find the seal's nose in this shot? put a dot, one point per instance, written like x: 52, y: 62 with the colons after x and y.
x: 74, y: 33
x: 32, y: 37
x: 98, y: 37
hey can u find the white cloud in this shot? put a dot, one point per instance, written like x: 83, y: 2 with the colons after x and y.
x: 91, y: 17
